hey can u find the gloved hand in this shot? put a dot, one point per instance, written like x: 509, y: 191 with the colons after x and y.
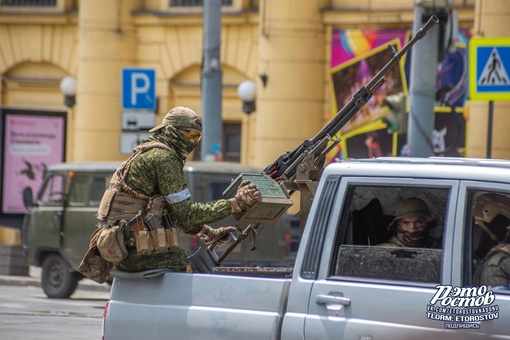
x: 220, y: 235
x: 247, y: 195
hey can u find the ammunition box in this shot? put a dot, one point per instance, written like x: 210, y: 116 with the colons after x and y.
x: 275, y: 200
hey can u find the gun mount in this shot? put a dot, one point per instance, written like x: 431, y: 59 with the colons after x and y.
x: 300, y: 169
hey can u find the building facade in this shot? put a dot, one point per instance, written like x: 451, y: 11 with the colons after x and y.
x: 284, y: 46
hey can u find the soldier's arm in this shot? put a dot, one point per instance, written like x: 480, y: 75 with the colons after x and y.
x: 190, y: 216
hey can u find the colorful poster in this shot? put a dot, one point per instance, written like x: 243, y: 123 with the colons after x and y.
x: 380, y: 127
x: 31, y: 144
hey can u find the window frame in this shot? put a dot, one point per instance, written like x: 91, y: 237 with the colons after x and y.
x: 465, y: 271
x: 337, y: 220
x: 49, y: 181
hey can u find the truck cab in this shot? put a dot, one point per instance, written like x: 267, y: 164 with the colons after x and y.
x: 61, y: 218
x: 345, y: 283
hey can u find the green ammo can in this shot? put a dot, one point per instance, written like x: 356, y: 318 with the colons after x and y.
x: 274, y: 199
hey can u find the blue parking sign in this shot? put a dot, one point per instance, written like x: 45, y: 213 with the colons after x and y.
x: 138, y: 89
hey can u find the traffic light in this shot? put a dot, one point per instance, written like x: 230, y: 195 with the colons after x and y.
x: 397, y: 115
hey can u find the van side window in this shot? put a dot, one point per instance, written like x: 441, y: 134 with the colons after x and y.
x: 79, y: 189
x: 487, y: 240
x: 217, y: 188
x: 53, y: 191
x: 391, y: 233
x: 99, y: 185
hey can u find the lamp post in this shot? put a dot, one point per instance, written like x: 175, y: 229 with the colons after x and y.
x: 247, y: 91
x: 68, y: 88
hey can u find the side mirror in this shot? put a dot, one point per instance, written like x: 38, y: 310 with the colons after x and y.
x: 28, y: 197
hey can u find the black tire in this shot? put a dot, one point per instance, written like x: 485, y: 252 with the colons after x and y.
x: 57, y: 279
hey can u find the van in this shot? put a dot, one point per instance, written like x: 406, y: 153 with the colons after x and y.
x: 56, y: 230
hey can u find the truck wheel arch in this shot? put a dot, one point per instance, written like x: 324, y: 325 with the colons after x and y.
x: 58, y: 280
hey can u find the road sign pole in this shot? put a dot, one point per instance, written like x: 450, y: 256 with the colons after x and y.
x: 423, y: 87
x: 212, y: 123
x: 489, y: 129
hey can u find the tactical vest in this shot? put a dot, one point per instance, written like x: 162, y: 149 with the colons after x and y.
x: 128, y: 218
x: 144, y: 220
x: 120, y: 202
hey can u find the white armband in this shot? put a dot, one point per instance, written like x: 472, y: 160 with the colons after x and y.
x: 177, y: 197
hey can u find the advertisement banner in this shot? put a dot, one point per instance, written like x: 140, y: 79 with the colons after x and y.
x: 31, y: 144
x: 380, y: 127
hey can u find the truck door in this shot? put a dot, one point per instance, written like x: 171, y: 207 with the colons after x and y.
x: 44, y: 228
x: 362, y: 291
x: 479, y: 261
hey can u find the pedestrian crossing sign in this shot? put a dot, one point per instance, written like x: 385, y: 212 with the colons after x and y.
x: 489, y: 69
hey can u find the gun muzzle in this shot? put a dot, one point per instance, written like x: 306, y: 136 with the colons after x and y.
x: 433, y: 20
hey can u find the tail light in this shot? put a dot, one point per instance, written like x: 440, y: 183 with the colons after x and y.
x: 105, y: 311
x: 288, y: 242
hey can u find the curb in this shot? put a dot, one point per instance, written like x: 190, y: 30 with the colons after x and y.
x: 30, y: 281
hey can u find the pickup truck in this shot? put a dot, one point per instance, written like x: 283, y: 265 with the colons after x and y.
x: 342, y: 285
x: 62, y: 215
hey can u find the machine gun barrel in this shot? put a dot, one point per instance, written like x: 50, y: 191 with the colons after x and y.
x: 282, y: 166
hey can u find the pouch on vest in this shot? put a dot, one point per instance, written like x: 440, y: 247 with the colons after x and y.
x: 110, y: 244
x: 139, y: 230
x: 171, y: 237
x: 106, y: 203
x: 92, y: 265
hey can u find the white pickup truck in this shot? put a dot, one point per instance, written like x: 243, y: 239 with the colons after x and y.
x: 342, y: 285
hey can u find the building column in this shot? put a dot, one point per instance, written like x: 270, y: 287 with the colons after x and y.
x: 490, y: 21
x: 290, y: 105
x: 106, y: 45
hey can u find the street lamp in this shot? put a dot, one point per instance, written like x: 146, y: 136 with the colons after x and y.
x: 247, y: 91
x: 68, y: 88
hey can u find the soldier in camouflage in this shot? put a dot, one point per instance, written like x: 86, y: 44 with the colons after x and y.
x: 412, y: 224
x: 151, y: 182
x: 492, y: 213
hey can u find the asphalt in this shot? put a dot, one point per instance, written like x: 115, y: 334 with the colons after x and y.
x: 34, y: 279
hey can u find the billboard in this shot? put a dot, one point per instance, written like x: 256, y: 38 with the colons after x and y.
x: 32, y: 141
x: 356, y: 56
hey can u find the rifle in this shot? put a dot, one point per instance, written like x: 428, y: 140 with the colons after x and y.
x: 299, y: 170
x: 284, y: 168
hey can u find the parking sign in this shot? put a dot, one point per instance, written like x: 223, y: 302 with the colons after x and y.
x: 138, y: 89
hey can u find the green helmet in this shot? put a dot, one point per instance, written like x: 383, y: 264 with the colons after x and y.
x: 487, y: 206
x: 180, y: 117
x: 412, y: 207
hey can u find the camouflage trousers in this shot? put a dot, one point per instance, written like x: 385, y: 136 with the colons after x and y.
x: 175, y: 258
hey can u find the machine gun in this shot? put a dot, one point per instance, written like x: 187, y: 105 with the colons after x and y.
x: 300, y: 169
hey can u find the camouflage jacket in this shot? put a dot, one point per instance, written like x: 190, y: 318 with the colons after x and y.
x: 160, y: 171
x: 494, y: 270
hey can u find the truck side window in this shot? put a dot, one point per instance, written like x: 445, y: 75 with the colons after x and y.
x: 99, y: 185
x: 79, y: 189
x: 217, y: 188
x: 373, y: 243
x: 487, y: 240
x: 87, y: 189
x: 53, y: 189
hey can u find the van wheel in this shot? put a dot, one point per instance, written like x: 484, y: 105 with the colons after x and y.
x: 57, y: 279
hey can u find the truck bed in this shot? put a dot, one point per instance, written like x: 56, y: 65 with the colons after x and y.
x: 244, y: 305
